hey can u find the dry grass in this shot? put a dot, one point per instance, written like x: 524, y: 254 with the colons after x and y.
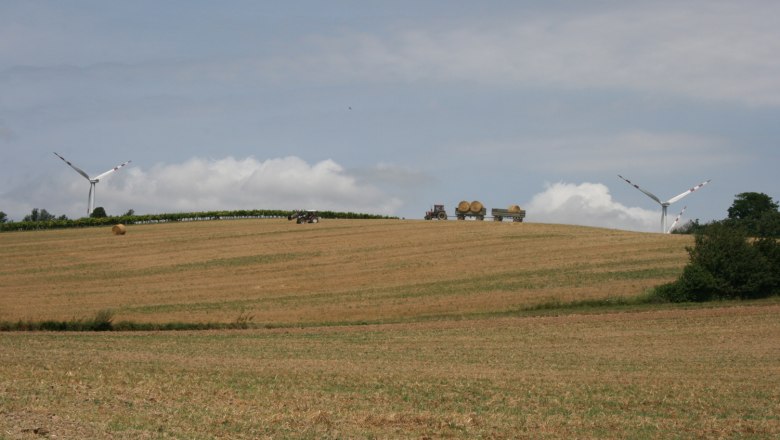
x: 278, y: 272
x: 680, y: 373
x: 707, y: 373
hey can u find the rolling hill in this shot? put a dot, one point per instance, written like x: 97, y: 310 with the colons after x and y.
x: 443, y: 348
x: 339, y: 271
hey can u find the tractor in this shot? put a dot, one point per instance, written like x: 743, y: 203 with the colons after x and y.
x: 304, y: 217
x: 437, y: 212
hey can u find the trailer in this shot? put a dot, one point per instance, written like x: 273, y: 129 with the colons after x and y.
x: 478, y: 215
x: 500, y: 214
x: 474, y: 209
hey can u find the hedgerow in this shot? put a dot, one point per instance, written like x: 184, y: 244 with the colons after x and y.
x: 171, y: 217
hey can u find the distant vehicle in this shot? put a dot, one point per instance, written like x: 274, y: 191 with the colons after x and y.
x: 514, y: 212
x: 305, y: 217
x: 476, y: 210
x: 437, y: 212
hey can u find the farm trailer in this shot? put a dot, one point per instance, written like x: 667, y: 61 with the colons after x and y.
x: 500, y: 214
x: 476, y: 210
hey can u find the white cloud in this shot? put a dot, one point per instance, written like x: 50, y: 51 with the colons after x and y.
x: 207, y: 184
x: 589, y: 204
x: 281, y: 183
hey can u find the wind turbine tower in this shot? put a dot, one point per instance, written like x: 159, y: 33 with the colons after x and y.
x: 92, y: 181
x: 666, y: 204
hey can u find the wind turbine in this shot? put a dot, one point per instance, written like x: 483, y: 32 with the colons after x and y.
x: 665, y: 204
x: 676, y: 220
x: 92, y: 180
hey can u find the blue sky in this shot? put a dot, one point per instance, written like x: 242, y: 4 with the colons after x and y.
x: 389, y: 107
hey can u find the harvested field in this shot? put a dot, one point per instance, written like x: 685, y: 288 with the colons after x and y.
x: 443, y: 359
x: 695, y: 373
x: 339, y: 271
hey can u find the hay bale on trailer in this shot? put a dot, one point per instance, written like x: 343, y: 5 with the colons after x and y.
x: 119, y: 229
x: 474, y: 209
x: 514, y: 212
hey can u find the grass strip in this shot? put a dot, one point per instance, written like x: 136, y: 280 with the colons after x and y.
x: 103, y: 320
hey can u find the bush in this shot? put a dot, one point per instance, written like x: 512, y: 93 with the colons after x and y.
x: 694, y: 285
x: 770, y: 249
x: 103, y: 321
x: 739, y: 267
x: 768, y: 225
x: 725, y: 264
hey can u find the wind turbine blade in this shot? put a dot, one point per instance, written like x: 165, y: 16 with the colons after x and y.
x: 676, y: 220
x: 78, y: 170
x: 678, y: 197
x: 111, y: 170
x: 648, y: 193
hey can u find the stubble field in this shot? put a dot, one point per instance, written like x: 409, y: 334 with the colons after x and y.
x: 340, y: 271
x: 444, y: 357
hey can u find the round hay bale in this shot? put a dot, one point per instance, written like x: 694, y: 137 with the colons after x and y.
x: 464, y: 206
x: 514, y: 208
x: 119, y: 229
x: 476, y: 206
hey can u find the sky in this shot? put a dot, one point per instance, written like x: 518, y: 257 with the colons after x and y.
x: 390, y: 107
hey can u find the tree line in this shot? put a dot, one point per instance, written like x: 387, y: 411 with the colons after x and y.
x: 755, y: 213
x: 40, y: 219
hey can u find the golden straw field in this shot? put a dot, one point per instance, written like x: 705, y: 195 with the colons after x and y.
x: 279, y: 272
x: 375, y: 329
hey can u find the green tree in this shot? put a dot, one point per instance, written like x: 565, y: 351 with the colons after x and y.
x: 33, y: 216
x: 99, y: 212
x: 726, y: 264
x: 751, y: 205
x: 770, y: 249
x: 757, y: 213
x: 689, y: 227
x: 3, y: 217
x: 768, y: 225
x: 739, y: 268
x: 39, y: 216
